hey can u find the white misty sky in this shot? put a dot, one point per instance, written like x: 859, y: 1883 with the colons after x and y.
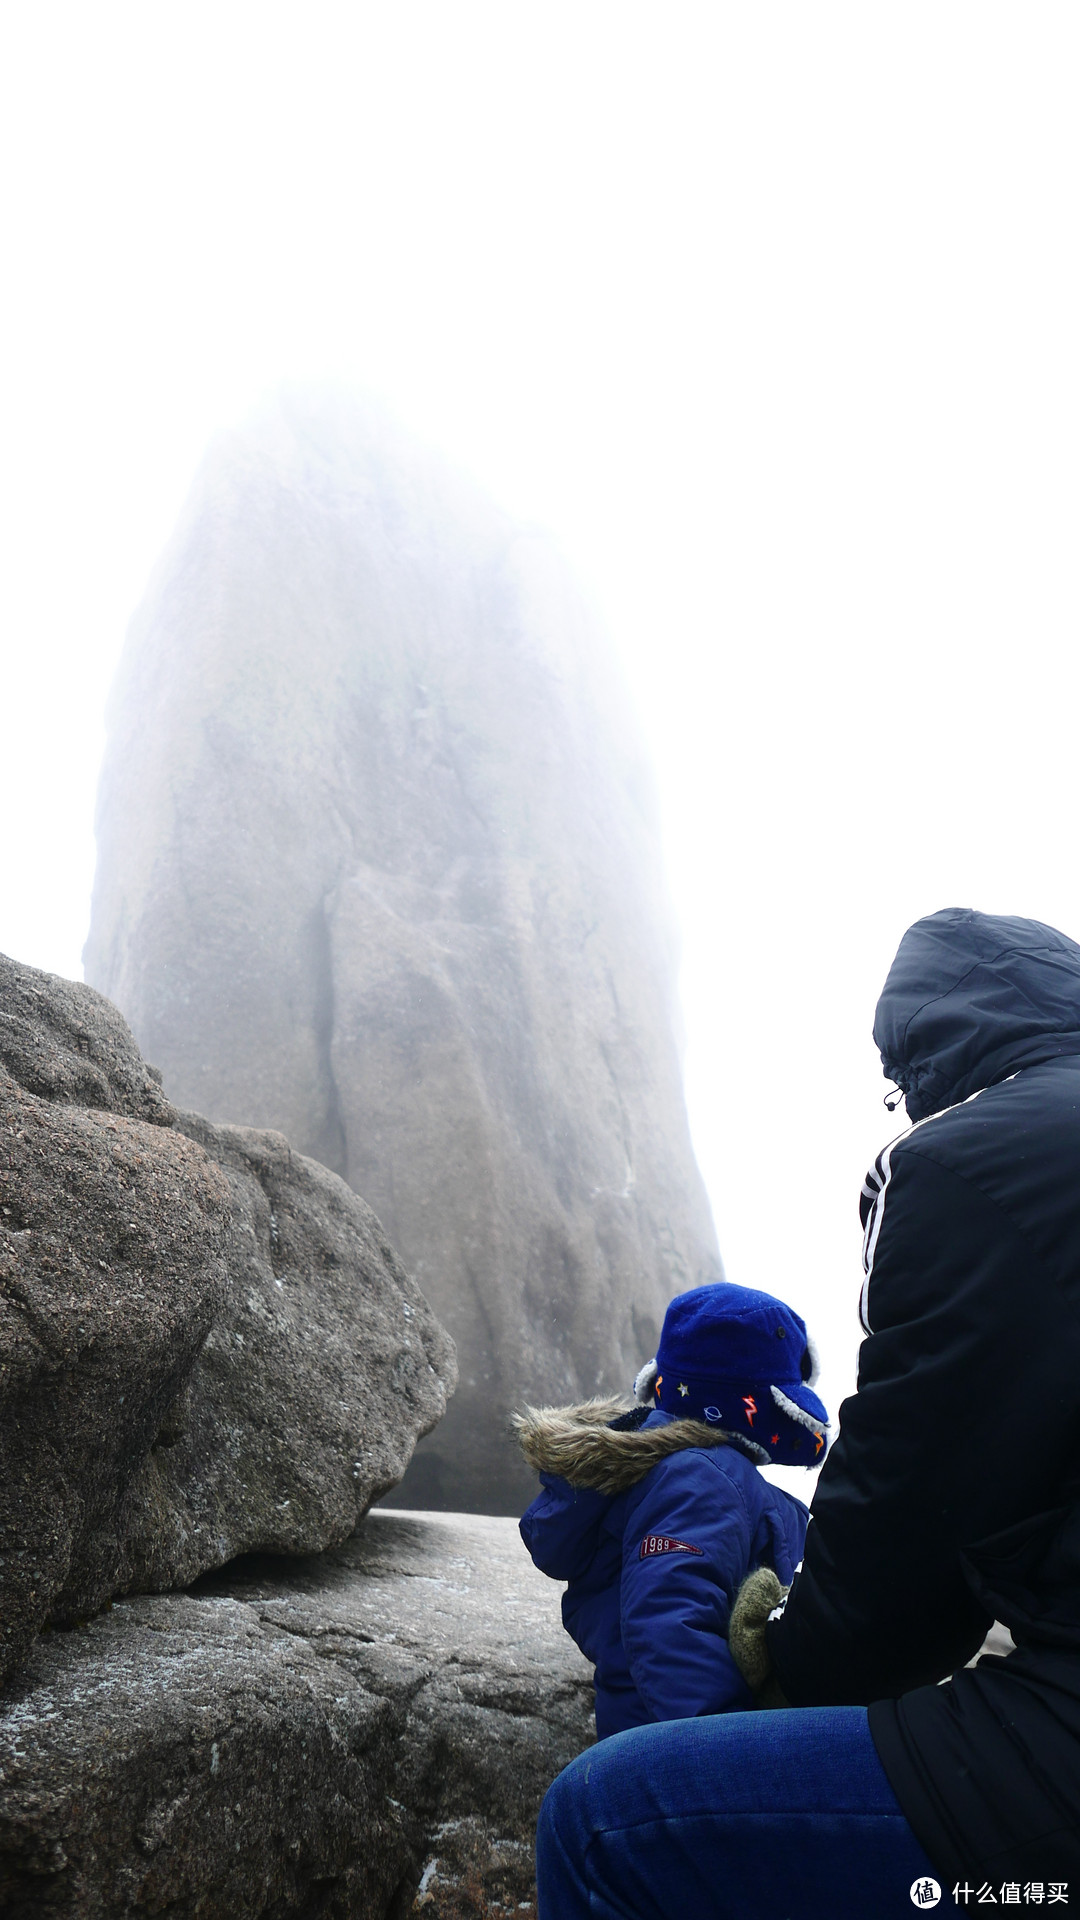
x: 770, y: 312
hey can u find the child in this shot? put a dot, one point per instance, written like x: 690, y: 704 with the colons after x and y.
x: 657, y: 1515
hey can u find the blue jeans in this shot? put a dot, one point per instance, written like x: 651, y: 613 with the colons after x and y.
x: 735, y: 1816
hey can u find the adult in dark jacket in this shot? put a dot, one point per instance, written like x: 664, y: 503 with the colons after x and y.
x: 952, y: 1495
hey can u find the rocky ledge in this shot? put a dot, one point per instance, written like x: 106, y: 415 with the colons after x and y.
x: 364, y: 1733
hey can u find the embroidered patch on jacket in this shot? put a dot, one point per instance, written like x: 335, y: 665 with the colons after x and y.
x: 654, y: 1543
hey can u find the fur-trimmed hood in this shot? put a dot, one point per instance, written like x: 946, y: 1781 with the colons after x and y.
x: 580, y: 1444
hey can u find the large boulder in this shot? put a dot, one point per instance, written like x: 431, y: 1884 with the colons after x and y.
x: 206, y: 1344
x: 363, y: 1735
x: 379, y: 866
x: 322, y: 1368
x: 113, y: 1230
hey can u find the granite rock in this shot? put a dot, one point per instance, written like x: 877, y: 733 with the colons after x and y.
x: 206, y: 1343
x: 322, y: 1367
x: 379, y: 866
x: 364, y: 1734
x: 112, y: 1270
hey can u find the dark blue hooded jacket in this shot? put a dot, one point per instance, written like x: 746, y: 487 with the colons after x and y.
x: 952, y: 1496
x: 653, y: 1567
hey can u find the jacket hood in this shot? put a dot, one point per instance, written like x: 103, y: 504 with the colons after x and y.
x: 580, y: 1445
x: 970, y: 999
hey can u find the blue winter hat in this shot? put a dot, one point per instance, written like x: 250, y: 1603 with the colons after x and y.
x: 741, y: 1360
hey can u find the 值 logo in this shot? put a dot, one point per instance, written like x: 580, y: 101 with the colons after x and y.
x: 925, y: 1893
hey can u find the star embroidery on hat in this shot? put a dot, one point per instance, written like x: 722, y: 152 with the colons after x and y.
x: 774, y: 1440
x: 684, y: 1390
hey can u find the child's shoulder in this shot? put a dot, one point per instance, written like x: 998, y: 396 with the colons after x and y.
x: 718, y: 1472
x: 723, y: 1471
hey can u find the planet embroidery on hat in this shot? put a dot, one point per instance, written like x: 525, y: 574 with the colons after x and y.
x: 713, y: 1413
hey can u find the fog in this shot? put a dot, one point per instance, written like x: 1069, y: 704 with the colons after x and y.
x: 768, y: 313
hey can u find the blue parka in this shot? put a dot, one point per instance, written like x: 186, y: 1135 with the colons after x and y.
x: 653, y: 1567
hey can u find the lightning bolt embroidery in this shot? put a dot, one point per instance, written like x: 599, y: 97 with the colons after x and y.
x: 751, y: 1408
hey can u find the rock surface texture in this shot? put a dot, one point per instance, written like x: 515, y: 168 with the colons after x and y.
x: 113, y: 1229
x: 206, y: 1344
x: 379, y: 866
x: 362, y: 1735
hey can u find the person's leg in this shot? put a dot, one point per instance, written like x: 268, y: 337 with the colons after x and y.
x: 735, y: 1816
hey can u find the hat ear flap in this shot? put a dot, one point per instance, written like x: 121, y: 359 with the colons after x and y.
x: 645, y: 1382
x: 821, y: 1430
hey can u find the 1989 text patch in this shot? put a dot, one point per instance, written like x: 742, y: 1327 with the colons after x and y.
x: 654, y: 1543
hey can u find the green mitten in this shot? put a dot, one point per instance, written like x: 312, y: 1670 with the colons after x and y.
x: 759, y: 1594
